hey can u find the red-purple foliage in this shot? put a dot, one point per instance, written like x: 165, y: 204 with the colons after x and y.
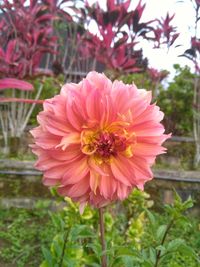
x: 193, y: 53
x: 165, y: 33
x: 195, y: 44
x: 114, y: 46
x: 7, y: 83
x: 197, y: 2
x: 120, y: 29
x: 156, y: 75
x: 20, y: 100
x: 27, y: 35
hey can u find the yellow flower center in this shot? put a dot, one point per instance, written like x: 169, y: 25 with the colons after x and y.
x: 105, y: 144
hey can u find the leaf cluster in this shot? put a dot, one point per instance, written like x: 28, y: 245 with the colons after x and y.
x: 135, y: 236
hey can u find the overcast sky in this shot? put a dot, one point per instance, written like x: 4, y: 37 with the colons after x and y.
x: 184, y: 20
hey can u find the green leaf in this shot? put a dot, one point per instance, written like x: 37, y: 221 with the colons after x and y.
x: 95, y: 265
x: 130, y: 260
x: 57, y: 221
x: 145, y: 254
x: 91, y: 260
x: 175, y: 244
x: 151, y: 217
x: 161, y: 248
x: 177, y: 198
x: 188, y: 203
x: 147, y: 264
x: 152, y: 255
x: 161, y: 231
x: 96, y: 247
x: 44, y: 264
x: 48, y: 257
x: 81, y: 231
x: 127, y: 260
x: 187, y: 250
x: 57, y: 245
x: 124, y: 251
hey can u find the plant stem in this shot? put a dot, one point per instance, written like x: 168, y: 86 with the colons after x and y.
x: 158, y: 255
x: 63, y: 250
x: 103, y: 243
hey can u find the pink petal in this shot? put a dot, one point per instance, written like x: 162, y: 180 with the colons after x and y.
x: 45, y: 163
x: 44, y: 139
x: 69, y: 139
x: 75, y: 190
x: 153, y: 139
x: 57, y: 172
x: 75, y: 172
x: 50, y: 182
x: 75, y: 121
x: 122, y: 191
x: 98, y: 80
x: 148, y: 129
x: 107, y: 186
x: 94, y: 105
x: 141, y: 165
x: 144, y: 149
x: 152, y: 113
x: 120, y: 172
x: 94, y: 181
x: 71, y: 154
x: 56, y: 127
x: 97, y: 168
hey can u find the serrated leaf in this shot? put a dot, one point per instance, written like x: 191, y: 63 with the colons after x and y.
x: 44, y: 264
x: 130, y: 260
x: 161, y: 248
x: 151, y: 217
x: 161, y: 231
x: 127, y: 260
x: 81, y: 231
x: 187, y: 250
x: 188, y: 203
x: 57, y: 221
x: 152, y: 255
x: 58, y: 246
x: 177, y: 198
x: 96, y: 248
x: 175, y: 244
x: 95, y: 265
x: 48, y: 257
x: 147, y: 264
x: 124, y: 251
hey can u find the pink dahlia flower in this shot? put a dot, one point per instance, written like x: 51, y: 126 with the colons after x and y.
x: 97, y: 140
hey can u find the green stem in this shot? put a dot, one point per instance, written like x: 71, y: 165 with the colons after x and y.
x: 158, y: 255
x: 63, y: 250
x: 102, y: 236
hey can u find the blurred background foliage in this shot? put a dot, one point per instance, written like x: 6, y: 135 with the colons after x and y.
x: 174, y: 98
x: 176, y: 101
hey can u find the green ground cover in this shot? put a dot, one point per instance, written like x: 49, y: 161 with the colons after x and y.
x: 134, y: 235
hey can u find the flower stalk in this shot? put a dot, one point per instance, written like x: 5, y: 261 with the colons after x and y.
x: 63, y: 249
x: 158, y: 255
x: 102, y: 236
